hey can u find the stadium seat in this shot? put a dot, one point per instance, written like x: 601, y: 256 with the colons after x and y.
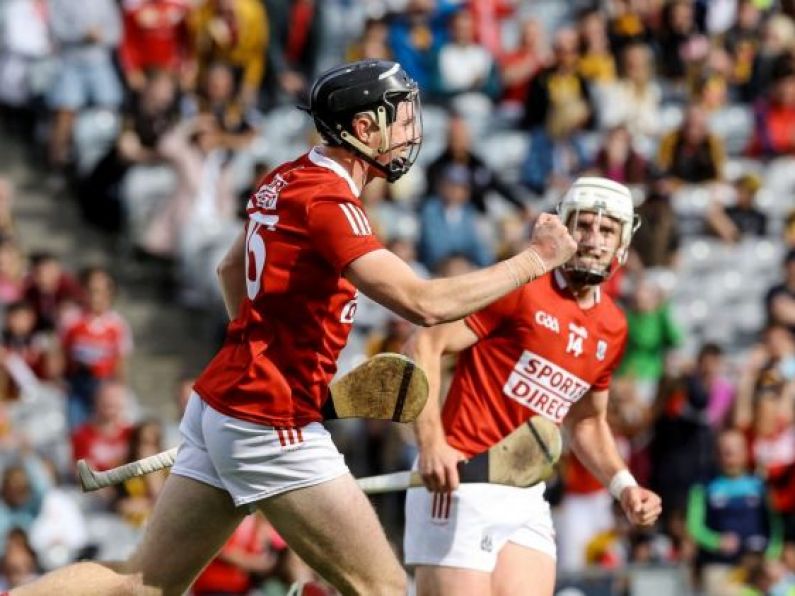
x: 342, y: 22
x: 410, y: 188
x: 704, y: 255
x: 663, y: 278
x: 95, y: 131
x: 591, y: 142
x: 505, y: 151
x: 285, y: 124
x: 646, y: 146
x: 760, y: 255
x: 691, y: 201
x: 735, y: 125
x: 731, y: 285
x: 144, y: 189
x: 737, y: 166
x: 40, y: 416
x: 749, y: 316
x: 671, y: 115
x: 552, y: 14
x: 114, y: 537
x: 434, y: 121
x: 434, y: 133
x: 780, y: 175
x: 476, y: 109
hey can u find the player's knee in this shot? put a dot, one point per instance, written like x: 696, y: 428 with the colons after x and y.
x: 111, y: 577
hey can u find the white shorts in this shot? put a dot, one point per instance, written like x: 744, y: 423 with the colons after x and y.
x: 469, y: 527
x: 252, y: 461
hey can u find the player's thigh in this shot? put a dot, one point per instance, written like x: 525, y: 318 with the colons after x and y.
x: 190, y: 523
x: 435, y: 580
x: 522, y: 570
x: 333, y: 527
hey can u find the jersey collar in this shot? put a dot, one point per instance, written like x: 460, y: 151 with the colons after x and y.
x: 560, y: 281
x: 317, y: 158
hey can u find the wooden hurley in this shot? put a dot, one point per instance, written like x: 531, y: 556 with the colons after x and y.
x: 525, y: 457
x: 385, y: 387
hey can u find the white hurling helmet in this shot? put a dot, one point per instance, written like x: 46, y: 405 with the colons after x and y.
x: 605, y: 198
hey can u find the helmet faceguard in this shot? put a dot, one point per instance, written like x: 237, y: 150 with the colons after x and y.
x: 603, y: 198
x: 383, y: 91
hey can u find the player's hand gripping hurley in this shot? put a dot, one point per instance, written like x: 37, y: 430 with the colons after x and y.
x: 386, y: 387
x: 525, y: 457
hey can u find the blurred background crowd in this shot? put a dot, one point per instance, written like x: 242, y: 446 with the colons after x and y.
x: 153, y: 119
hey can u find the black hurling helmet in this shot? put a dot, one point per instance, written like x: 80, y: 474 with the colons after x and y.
x: 376, y: 87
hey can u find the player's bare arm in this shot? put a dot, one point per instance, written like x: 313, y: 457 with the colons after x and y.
x: 231, y: 275
x: 438, y: 461
x: 385, y: 278
x: 592, y: 442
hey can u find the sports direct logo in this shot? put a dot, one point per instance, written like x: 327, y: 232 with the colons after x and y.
x: 544, y: 387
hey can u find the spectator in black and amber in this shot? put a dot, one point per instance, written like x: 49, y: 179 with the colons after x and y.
x: 559, y: 85
x: 741, y: 219
x: 691, y: 153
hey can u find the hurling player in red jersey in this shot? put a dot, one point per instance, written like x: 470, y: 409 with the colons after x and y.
x: 547, y: 349
x: 251, y: 432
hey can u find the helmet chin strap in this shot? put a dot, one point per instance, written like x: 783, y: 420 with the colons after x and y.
x: 395, y: 168
x: 586, y: 277
x: 590, y: 276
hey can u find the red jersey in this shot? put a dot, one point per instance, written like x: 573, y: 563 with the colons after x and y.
x: 102, y: 451
x: 539, y: 353
x: 97, y: 344
x: 305, y: 226
x: 155, y: 34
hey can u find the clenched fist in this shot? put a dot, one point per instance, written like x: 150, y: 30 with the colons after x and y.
x: 641, y: 506
x: 552, y: 241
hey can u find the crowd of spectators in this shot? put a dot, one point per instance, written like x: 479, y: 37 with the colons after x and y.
x: 158, y: 117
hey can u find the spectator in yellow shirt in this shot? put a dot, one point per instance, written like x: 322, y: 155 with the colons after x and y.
x: 596, y: 63
x: 235, y: 32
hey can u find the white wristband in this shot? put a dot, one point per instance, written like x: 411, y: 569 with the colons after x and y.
x: 538, y: 261
x: 622, y: 479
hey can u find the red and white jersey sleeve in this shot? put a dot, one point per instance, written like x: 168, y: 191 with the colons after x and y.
x: 539, y: 353
x: 340, y: 230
